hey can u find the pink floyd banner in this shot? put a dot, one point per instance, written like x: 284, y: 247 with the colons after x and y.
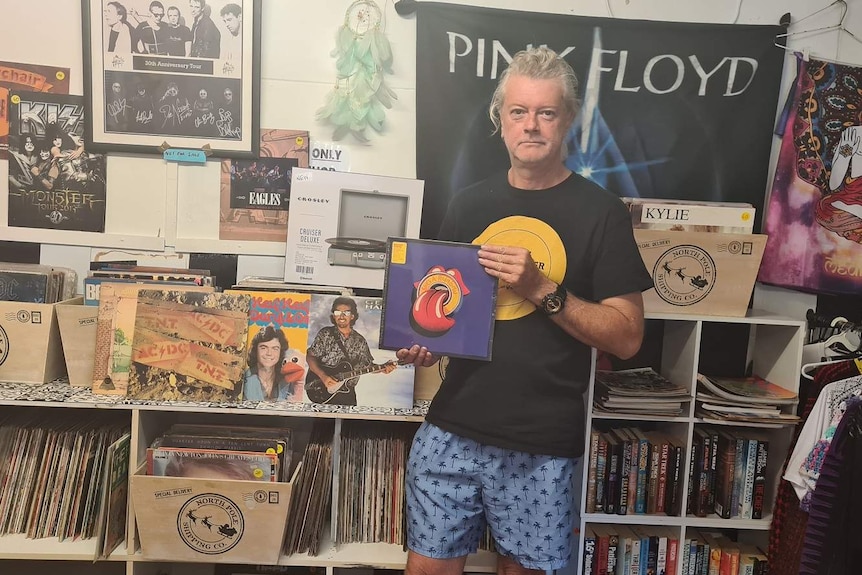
x: 814, y: 218
x: 670, y: 110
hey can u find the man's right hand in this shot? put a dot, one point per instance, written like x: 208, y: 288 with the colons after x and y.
x: 332, y: 384
x: 418, y: 356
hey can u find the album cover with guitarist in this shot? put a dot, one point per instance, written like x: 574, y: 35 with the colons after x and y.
x: 345, y: 364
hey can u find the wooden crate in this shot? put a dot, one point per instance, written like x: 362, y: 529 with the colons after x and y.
x: 78, y: 333
x: 700, y: 272
x: 210, y: 520
x: 30, y: 346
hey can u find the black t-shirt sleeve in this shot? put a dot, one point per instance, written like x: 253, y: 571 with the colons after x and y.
x: 619, y: 269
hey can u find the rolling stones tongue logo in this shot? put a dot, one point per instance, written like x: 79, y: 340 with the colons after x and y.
x: 438, y: 296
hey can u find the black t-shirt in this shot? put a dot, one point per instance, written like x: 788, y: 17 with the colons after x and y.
x: 530, y: 396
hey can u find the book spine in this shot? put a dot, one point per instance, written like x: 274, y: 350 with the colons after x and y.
x: 591, y: 472
x: 707, y: 553
x: 703, y: 484
x: 747, y: 494
x: 661, y: 556
x: 601, y: 473
x: 672, y: 505
x: 642, y: 477
x: 602, y: 545
x: 633, y: 476
x: 652, y: 486
x: 625, y: 470
x: 725, y: 473
x: 760, y: 480
x: 635, y: 566
x: 652, y: 555
x: 589, y: 553
x: 713, y: 465
x: 613, y: 553
x: 661, y: 488
x: 692, y: 475
x: 612, y: 490
x: 738, y: 474
x: 672, y: 555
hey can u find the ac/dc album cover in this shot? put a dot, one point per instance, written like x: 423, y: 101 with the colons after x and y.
x: 345, y: 364
x: 32, y: 77
x: 261, y: 214
x: 54, y: 182
x: 339, y: 223
x: 436, y: 294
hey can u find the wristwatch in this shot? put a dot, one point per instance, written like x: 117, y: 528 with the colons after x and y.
x: 553, y: 302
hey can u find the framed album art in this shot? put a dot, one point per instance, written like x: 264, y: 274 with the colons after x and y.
x: 182, y: 75
x: 437, y: 295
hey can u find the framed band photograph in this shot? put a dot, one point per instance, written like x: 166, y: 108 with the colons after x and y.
x: 182, y: 74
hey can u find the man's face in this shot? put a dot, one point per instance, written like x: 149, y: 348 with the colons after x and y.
x: 111, y: 16
x: 58, y: 141
x: 116, y: 87
x: 202, y: 94
x: 29, y: 146
x: 228, y: 95
x: 174, y: 17
x: 342, y: 315
x: 533, y: 121
x: 195, y: 7
x: 157, y: 13
x: 268, y: 353
x: 232, y: 22
x: 44, y: 154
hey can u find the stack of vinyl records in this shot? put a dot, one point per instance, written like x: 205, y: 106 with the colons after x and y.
x: 638, y: 391
x: 310, y: 500
x: 34, y: 283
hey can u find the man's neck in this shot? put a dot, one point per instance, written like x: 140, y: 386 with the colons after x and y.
x: 346, y: 331
x: 540, y: 178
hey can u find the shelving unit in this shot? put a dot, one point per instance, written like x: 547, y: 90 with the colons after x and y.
x: 774, y: 351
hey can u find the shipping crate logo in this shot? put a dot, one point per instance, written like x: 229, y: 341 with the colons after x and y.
x: 210, y: 524
x: 684, y: 275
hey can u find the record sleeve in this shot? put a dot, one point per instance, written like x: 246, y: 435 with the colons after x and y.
x: 437, y: 295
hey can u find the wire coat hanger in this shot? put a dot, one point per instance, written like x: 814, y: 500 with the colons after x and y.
x: 819, y: 30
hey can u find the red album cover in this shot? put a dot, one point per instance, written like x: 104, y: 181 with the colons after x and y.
x: 437, y: 295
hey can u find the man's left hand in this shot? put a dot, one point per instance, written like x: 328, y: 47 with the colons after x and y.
x: 515, y: 266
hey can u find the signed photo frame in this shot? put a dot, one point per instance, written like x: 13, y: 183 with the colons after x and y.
x: 160, y: 73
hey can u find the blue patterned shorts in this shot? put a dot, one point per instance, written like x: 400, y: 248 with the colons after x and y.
x: 455, y: 486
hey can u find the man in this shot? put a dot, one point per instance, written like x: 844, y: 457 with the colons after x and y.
x: 231, y: 43
x: 151, y: 30
x: 120, y: 34
x: 507, y: 432
x: 337, y: 349
x: 205, y: 35
x: 178, y: 37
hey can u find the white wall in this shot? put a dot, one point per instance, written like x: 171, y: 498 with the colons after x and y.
x: 296, y: 74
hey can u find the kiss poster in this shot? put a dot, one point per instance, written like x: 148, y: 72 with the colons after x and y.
x: 437, y: 295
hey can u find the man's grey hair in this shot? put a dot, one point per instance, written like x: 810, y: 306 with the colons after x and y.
x: 540, y: 63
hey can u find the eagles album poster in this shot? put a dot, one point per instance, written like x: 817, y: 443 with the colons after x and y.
x: 54, y: 182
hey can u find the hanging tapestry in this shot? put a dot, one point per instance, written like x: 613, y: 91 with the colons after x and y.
x: 814, y: 217
x: 670, y: 109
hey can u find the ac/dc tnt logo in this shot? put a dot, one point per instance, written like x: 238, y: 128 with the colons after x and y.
x: 437, y: 297
x: 210, y: 523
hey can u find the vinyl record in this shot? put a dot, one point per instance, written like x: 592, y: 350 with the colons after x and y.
x: 358, y: 244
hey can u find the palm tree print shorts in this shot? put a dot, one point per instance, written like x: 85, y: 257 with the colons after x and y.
x: 456, y: 486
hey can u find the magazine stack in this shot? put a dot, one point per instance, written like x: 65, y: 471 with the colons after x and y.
x: 752, y: 400
x: 638, y: 391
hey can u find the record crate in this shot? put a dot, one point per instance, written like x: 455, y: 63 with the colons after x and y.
x: 78, y: 334
x: 210, y: 520
x: 706, y: 273
x: 30, y: 347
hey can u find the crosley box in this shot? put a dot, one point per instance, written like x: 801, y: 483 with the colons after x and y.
x: 30, y: 346
x: 210, y: 520
x: 78, y: 333
x: 700, y: 272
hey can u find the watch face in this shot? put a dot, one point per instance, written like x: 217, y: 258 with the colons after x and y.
x: 553, y: 304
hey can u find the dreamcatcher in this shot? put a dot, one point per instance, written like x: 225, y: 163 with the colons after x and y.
x: 363, y: 56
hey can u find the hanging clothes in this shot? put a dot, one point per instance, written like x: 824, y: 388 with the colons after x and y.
x: 787, y: 529
x: 833, y: 539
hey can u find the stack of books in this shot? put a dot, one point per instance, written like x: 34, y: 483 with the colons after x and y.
x: 750, y: 399
x: 638, y: 391
x: 130, y: 273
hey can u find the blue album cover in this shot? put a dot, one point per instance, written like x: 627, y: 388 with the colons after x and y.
x: 437, y: 295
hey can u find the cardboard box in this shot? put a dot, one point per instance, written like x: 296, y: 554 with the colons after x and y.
x: 339, y: 223
x: 30, y: 346
x: 210, y: 520
x: 699, y: 272
x: 78, y: 333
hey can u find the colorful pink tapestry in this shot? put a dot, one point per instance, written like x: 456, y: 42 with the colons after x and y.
x: 814, y: 215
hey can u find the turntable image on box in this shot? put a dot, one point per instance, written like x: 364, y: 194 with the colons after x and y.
x: 365, y: 220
